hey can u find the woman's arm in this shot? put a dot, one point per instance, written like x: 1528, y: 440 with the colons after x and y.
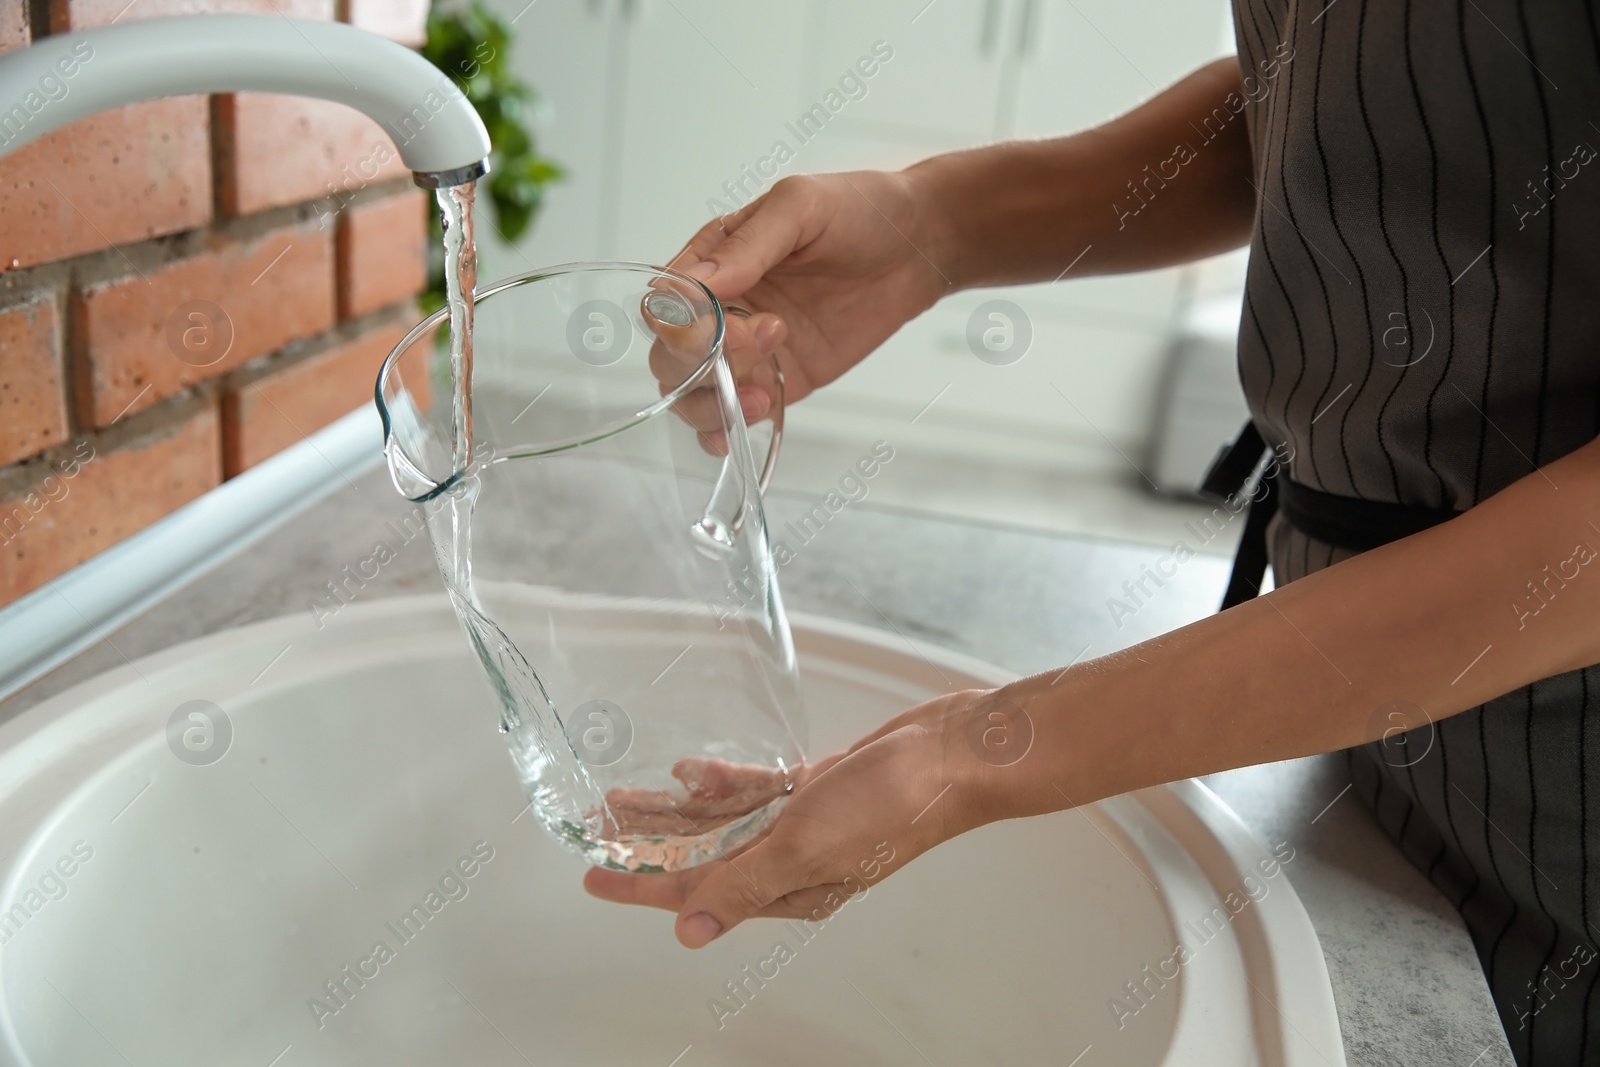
x: 1502, y: 596
x: 1167, y: 183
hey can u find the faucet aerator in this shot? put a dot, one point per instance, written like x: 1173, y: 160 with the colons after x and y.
x: 446, y: 179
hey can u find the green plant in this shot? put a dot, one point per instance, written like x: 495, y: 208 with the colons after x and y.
x: 473, y: 48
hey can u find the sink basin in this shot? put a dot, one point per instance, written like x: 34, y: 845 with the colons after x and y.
x: 166, y: 910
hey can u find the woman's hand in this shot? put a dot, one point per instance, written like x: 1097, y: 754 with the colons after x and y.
x: 830, y: 264
x: 858, y: 817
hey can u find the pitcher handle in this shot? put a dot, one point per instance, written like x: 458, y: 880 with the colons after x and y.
x: 716, y: 529
x: 775, y: 415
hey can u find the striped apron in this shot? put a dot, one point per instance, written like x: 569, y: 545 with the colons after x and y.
x: 1421, y: 327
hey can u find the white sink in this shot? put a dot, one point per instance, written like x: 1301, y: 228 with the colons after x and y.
x: 216, y: 900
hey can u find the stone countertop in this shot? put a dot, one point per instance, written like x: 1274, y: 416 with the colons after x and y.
x: 1404, y: 973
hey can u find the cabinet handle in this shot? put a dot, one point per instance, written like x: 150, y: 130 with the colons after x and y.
x: 990, y: 29
x: 1025, y: 29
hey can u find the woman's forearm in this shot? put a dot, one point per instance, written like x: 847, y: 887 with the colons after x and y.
x: 1167, y: 183
x: 1500, y: 597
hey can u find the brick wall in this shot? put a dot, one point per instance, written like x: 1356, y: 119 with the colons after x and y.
x: 187, y: 286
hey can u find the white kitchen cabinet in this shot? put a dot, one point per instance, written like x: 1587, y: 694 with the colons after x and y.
x: 941, y: 88
x: 562, y: 50
x: 1086, y: 61
x: 856, y: 149
x: 652, y: 107
x: 710, y: 88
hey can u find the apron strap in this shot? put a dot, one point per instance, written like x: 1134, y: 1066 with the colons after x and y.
x: 1341, y: 521
x: 1229, y: 474
x: 1350, y: 523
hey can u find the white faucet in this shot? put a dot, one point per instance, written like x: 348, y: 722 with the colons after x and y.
x: 67, y: 76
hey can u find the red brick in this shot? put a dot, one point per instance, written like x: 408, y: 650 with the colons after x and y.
x: 109, y: 179
x: 275, y: 150
x: 62, y: 519
x: 268, y: 415
x: 82, y: 14
x: 405, y: 21
x: 13, y: 24
x: 33, y: 409
x: 383, y: 253
x: 273, y: 290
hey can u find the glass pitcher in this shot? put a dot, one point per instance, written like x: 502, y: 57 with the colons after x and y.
x: 606, y: 552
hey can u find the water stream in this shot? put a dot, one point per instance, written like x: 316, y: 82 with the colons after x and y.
x: 562, y: 793
x: 460, y: 283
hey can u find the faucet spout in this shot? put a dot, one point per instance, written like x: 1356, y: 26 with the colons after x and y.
x: 67, y: 76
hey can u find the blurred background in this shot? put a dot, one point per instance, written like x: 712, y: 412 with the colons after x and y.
x: 665, y: 113
x: 189, y: 286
